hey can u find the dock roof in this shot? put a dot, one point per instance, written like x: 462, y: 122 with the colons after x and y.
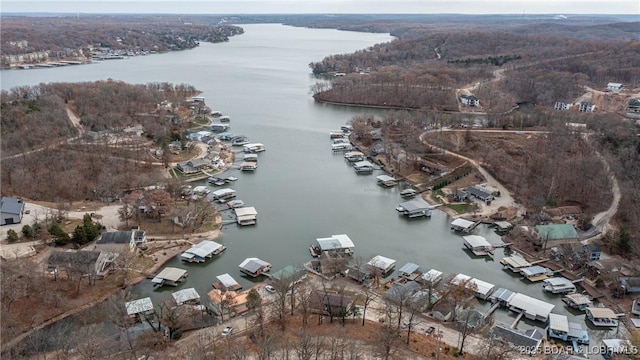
x: 409, y: 268
x: 353, y: 153
x: 335, y: 242
x: 288, y: 271
x: 483, y: 287
x: 184, y: 295
x: 385, y: 178
x: 531, y: 306
x: 382, y: 262
x: 515, y: 261
x: 245, y: 211
x: 529, y: 340
x: 463, y: 223
x: 579, y: 299
x: 138, y: 306
x: 223, y: 192
x: 204, y: 248
x: 432, y: 275
x: 415, y: 205
x: 171, y: 274
x: 476, y: 241
x: 227, y: 281
x: 617, y: 345
x: 558, y: 281
x: 460, y: 278
x: 534, y: 270
x: 503, y: 294
x: 559, y: 323
x: 253, y: 264
x: 363, y: 163
x: 601, y: 313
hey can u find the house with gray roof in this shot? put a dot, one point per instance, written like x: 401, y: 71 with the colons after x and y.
x: 480, y: 193
x: 527, y: 341
x: 116, y: 240
x: 11, y: 210
x: 93, y: 264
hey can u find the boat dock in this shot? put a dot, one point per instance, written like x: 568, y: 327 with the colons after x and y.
x: 492, y: 310
x: 517, y: 320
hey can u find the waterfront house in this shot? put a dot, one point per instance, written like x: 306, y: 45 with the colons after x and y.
x: 462, y: 225
x: 561, y: 328
x: 532, y: 308
x: 363, y: 167
x: 526, y: 342
x: 329, y: 304
x: 536, y: 273
x: 600, y: 316
x: 415, y: 208
x: 254, y: 267
x: 386, y: 180
x: 614, y: 86
x: 170, y: 276
x: 186, y: 296
x: 432, y: 277
x: 586, y: 106
x: 633, y: 106
x: 502, y: 296
x: 202, y: 251
x: 229, y: 303
x: 469, y: 100
x: 558, y: 285
x: 116, y: 240
x: 11, y: 210
x: 515, y: 263
x: 556, y: 233
x: 291, y: 273
x: 91, y: 264
x: 193, y: 166
x: 409, y: 271
x: 480, y: 193
x: 139, y: 309
x: 384, y: 264
x: 578, y: 301
x: 478, y: 245
x: 562, y: 105
x: 592, y: 251
x: 246, y: 215
x: 226, y: 283
x: 340, y: 244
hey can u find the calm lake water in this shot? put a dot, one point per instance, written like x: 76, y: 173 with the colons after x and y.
x: 301, y: 189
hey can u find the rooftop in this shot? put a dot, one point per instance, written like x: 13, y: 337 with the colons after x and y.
x: 171, y: 274
x: 11, y: 205
x: 556, y: 231
x: 139, y: 306
x: 335, y: 242
x: 227, y: 281
x: 184, y: 295
x: 253, y: 264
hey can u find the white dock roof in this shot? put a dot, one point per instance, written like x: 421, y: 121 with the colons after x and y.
x: 246, y: 211
x: 559, y: 323
x: 169, y: 273
x: 184, y: 295
x: 223, y: 192
x: 483, y: 287
x: 432, y: 275
x: 204, y: 248
x: 227, y: 281
x: 460, y: 278
x: 415, y: 205
x: 386, y: 178
x: 335, y: 242
x: 558, y: 281
x: 138, y: 306
x: 533, y: 306
x: 476, y: 241
x: 463, y: 223
x: 382, y: 262
x: 363, y: 163
x: 515, y: 261
x: 253, y: 264
x: 534, y: 270
x: 409, y: 268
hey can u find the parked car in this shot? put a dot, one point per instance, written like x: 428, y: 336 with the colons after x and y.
x: 430, y: 330
x: 270, y: 289
x: 227, y: 331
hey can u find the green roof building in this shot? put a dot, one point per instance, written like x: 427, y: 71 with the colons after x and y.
x: 557, y: 232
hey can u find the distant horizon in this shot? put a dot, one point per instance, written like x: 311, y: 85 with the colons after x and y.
x: 341, y: 7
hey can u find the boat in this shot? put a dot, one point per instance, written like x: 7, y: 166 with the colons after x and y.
x: 239, y: 140
x: 253, y: 148
x: 408, y: 193
x: 216, y: 113
x: 230, y: 178
x: 225, y: 136
x: 558, y: 285
x: 233, y: 204
x: 341, y: 141
x: 216, y: 181
x: 386, y: 180
x: 315, y: 251
x: 248, y: 166
x: 354, y: 156
x: 578, y: 301
x: 225, y: 118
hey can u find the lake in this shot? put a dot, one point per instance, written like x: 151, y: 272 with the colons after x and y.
x: 301, y: 189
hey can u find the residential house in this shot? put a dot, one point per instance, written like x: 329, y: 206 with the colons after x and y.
x: 614, y: 86
x: 329, y: 304
x: 92, y: 264
x: 634, y: 106
x: 586, y: 106
x: 116, y: 240
x: 229, y: 302
x: 11, y: 211
x: 458, y: 195
x: 526, y: 342
x: 592, y: 251
x: 194, y: 165
x: 562, y: 105
x: 469, y: 100
x: 480, y: 193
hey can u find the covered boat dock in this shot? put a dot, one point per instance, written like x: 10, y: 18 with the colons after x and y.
x: 226, y: 283
x: 202, y: 251
x: 415, y: 208
x: 170, y: 276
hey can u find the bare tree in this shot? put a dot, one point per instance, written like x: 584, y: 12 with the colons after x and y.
x: 304, y: 346
x: 126, y: 213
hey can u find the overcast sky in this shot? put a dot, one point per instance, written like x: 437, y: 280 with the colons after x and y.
x: 327, y: 6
